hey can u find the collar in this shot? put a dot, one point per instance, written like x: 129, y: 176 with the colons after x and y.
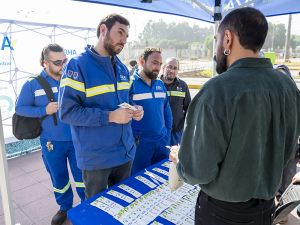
x: 251, y: 63
x: 44, y: 74
x: 89, y: 50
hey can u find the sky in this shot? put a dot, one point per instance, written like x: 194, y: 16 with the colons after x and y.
x: 88, y: 15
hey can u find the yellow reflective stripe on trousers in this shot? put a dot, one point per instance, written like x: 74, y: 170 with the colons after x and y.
x: 123, y: 85
x: 79, y: 184
x: 99, y: 90
x: 79, y: 86
x: 176, y: 93
x: 61, y: 191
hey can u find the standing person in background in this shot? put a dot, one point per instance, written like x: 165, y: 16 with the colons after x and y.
x: 291, y: 168
x: 179, y: 97
x: 152, y: 133
x: 133, y: 66
x: 241, y: 128
x: 56, y: 140
x: 93, y: 86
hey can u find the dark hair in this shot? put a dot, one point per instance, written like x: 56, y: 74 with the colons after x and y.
x: 49, y: 48
x: 110, y: 20
x: 249, y: 24
x: 132, y: 62
x: 149, y: 51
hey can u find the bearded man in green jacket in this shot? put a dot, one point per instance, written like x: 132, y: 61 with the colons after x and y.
x: 240, y: 129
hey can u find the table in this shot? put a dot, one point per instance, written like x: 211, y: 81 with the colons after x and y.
x: 144, y: 198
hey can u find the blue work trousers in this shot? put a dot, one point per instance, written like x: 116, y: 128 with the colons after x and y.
x: 149, y: 152
x: 55, y: 156
x: 176, y: 138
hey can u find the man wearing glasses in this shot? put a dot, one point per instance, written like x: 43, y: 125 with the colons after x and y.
x: 56, y: 141
x: 179, y: 97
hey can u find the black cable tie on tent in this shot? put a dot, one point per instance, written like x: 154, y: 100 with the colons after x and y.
x: 146, y: 1
x: 217, y: 15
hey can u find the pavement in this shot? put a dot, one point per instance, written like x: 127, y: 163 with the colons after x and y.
x: 32, y: 196
x: 31, y: 191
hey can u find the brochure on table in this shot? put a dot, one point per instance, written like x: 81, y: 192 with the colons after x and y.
x: 144, y: 198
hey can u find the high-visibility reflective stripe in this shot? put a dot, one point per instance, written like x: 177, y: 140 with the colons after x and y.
x: 61, y: 191
x: 123, y: 85
x: 79, y: 86
x: 159, y: 94
x: 79, y: 184
x: 40, y: 92
x: 131, y: 80
x: 177, y: 93
x: 99, y: 90
x: 143, y: 96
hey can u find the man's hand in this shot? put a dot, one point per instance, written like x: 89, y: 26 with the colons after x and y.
x: 174, y: 153
x: 296, y: 178
x: 51, y: 108
x: 138, y: 113
x: 120, y: 116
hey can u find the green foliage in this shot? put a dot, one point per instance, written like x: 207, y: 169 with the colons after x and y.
x: 276, y: 37
x: 208, y: 44
x: 295, y: 41
x: 172, y: 35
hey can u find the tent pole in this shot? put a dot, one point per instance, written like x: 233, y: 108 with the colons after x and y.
x: 4, y: 184
x: 288, y: 40
x: 217, y: 23
x: 217, y: 18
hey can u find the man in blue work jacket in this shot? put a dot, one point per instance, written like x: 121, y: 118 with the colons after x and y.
x: 56, y: 140
x: 179, y: 97
x: 152, y: 133
x: 93, y: 86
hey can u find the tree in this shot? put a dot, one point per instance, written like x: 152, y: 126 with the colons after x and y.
x: 172, y: 35
x: 208, y: 44
x: 276, y: 37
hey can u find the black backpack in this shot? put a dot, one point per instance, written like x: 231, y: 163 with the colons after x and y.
x: 29, y: 127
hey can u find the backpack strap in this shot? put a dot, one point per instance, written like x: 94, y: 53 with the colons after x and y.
x: 45, y: 85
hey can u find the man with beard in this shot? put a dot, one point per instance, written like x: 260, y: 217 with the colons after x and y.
x: 241, y: 128
x: 55, y: 138
x: 152, y: 133
x: 179, y: 97
x: 93, y: 86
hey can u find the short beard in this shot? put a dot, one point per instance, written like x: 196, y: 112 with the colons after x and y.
x: 55, y: 73
x: 168, y: 78
x: 221, y: 61
x: 109, y: 47
x: 151, y: 75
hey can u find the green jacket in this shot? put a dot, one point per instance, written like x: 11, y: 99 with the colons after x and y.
x: 240, y: 131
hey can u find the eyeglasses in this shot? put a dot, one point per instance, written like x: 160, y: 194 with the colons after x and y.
x: 58, y: 62
x: 170, y: 67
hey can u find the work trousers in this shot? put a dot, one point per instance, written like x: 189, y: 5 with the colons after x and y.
x: 176, y: 137
x: 149, y: 152
x: 210, y: 211
x: 98, y: 180
x: 55, y: 155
